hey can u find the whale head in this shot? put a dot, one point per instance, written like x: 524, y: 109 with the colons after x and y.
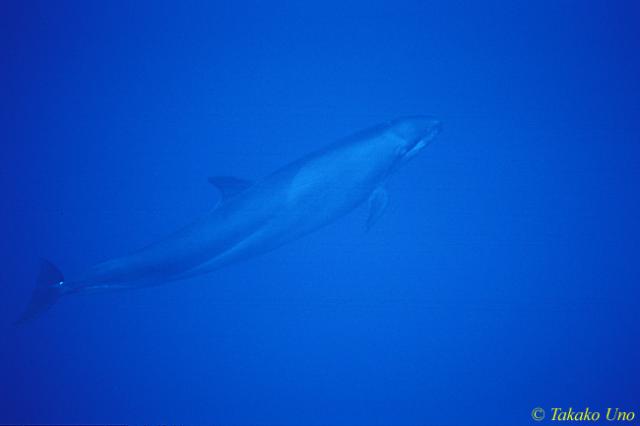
x: 412, y: 134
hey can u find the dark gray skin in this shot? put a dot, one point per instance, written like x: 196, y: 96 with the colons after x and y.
x: 252, y: 219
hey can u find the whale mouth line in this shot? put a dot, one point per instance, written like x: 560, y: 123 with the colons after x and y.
x: 424, y: 141
x: 416, y: 148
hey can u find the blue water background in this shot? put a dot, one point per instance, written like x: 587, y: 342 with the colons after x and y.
x: 503, y: 276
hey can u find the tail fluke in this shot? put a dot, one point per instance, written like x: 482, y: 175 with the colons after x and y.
x: 48, y: 290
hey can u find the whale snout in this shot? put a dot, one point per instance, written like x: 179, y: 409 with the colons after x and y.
x: 417, y: 128
x: 415, y: 133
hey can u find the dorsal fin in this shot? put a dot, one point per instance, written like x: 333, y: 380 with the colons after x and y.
x: 229, y: 185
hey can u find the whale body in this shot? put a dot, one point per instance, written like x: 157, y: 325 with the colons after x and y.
x: 253, y: 218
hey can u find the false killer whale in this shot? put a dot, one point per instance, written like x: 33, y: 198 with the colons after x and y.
x: 255, y: 217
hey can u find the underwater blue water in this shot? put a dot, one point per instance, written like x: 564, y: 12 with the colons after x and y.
x: 503, y: 276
